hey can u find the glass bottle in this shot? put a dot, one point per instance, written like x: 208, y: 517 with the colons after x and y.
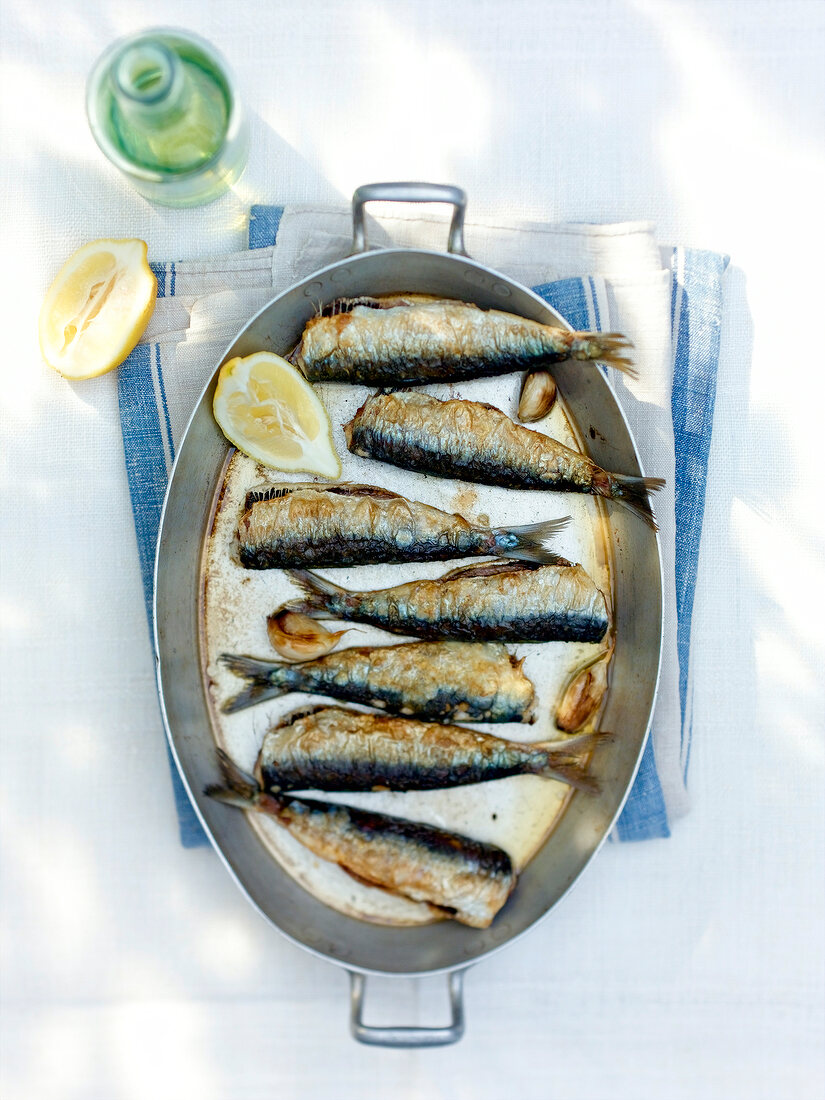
x: 163, y: 108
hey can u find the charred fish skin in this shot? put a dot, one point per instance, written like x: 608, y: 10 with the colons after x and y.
x: 478, y: 442
x: 462, y: 878
x: 413, y: 339
x: 292, y: 525
x: 548, y: 603
x: 440, y: 681
x: 337, y: 749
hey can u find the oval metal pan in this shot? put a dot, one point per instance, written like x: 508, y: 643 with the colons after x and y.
x: 638, y: 609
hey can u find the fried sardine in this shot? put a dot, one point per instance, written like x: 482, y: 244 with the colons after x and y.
x: 294, y: 525
x: 496, y: 601
x: 478, y: 442
x: 409, y: 339
x: 337, y: 749
x: 459, y: 877
x: 442, y: 681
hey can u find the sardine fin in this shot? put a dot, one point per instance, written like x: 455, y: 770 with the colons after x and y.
x: 383, y: 301
x: 262, y: 681
x: 264, y: 493
x: 317, y: 591
x: 486, y: 569
x: 633, y: 493
x: 528, y: 543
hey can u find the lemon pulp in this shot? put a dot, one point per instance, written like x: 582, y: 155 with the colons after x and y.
x: 97, y: 308
x: 268, y: 410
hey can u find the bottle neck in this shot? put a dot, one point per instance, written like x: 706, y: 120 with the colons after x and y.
x: 150, y: 83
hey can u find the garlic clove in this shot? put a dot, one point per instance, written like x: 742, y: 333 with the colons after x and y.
x: 298, y: 637
x: 582, y: 696
x: 538, y: 395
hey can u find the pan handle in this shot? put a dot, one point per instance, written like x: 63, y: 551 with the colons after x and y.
x: 409, y: 192
x: 407, y: 1036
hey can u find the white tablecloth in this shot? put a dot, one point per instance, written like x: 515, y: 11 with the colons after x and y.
x: 684, y: 968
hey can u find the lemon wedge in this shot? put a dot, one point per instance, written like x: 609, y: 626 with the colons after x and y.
x: 270, y: 412
x: 97, y: 308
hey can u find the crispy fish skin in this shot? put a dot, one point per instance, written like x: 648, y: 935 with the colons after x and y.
x: 478, y: 442
x: 442, y: 681
x: 336, y: 749
x: 511, y: 604
x: 292, y: 525
x: 411, y: 339
x: 459, y: 877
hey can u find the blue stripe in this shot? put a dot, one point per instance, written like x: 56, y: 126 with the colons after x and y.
x: 697, y: 341
x: 644, y: 816
x: 162, y: 389
x: 567, y: 297
x: 160, y: 274
x: 144, y: 454
x: 172, y: 286
x: 595, y: 303
x: 147, y: 475
x: 264, y: 223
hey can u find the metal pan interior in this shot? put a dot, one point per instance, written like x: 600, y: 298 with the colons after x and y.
x: 638, y: 615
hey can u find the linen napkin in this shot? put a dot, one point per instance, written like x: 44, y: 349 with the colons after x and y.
x: 668, y: 301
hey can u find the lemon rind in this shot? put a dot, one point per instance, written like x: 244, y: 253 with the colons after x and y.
x: 130, y: 341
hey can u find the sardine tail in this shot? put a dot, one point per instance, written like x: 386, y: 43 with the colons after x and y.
x: 564, y: 760
x: 262, y: 681
x: 317, y: 592
x: 633, y: 492
x: 571, y: 772
x: 237, y: 788
x: 607, y: 347
x: 529, y: 543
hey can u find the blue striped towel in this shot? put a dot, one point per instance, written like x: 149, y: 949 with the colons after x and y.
x: 158, y: 386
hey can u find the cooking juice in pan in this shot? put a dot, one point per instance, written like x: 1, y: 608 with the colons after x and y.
x: 516, y: 813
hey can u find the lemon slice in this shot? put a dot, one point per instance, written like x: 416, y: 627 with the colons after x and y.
x: 97, y: 308
x: 270, y: 412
